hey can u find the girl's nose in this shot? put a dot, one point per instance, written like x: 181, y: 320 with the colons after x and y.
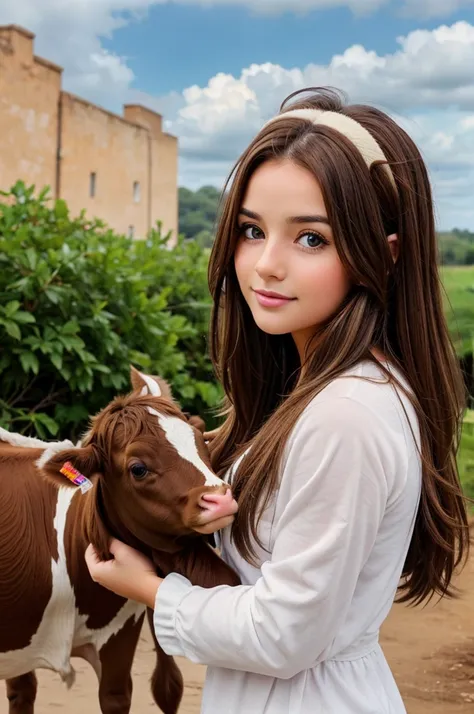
x: 271, y: 263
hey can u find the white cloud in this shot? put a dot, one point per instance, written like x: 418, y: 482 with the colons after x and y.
x: 419, y: 8
x: 69, y: 33
x: 435, y: 8
x: 431, y: 70
x: 446, y: 140
x: 429, y: 74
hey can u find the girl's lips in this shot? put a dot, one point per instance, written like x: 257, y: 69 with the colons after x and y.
x: 268, y: 299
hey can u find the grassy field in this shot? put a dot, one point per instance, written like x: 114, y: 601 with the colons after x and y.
x: 466, y: 455
x: 459, y: 305
x: 459, y: 286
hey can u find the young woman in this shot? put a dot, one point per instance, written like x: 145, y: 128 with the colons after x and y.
x: 344, y: 403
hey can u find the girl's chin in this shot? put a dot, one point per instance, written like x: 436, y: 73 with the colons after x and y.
x: 273, y: 325
x: 272, y: 329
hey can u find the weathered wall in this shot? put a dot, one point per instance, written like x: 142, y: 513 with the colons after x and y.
x: 163, y: 167
x: 29, y: 95
x: 94, y: 141
x: 134, y: 162
x: 164, y: 179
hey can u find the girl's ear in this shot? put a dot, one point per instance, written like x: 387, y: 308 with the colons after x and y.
x: 393, y: 246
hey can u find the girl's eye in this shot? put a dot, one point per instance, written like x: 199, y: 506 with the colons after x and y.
x: 312, y: 240
x: 138, y: 471
x: 251, y: 232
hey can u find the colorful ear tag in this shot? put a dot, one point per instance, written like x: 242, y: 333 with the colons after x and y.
x: 76, y: 477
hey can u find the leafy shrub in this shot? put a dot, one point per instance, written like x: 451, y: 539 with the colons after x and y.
x: 79, y: 304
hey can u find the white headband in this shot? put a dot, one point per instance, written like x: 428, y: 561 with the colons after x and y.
x: 350, y: 128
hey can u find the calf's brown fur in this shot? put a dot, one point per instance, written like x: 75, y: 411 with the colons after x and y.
x: 46, y: 524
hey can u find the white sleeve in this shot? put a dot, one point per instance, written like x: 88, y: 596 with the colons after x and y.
x: 336, y: 475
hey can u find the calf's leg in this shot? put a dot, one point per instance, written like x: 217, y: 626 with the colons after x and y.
x: 167, y: 681
x: 116, y: 656
x: 21, y: 693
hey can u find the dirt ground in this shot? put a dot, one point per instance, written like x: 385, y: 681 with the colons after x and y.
x: 431, y: 652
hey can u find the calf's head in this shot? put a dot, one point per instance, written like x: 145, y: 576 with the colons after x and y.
x: 153, y: 484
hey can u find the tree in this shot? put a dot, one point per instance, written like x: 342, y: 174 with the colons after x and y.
x: 469, y: 257
x: 198, y: 210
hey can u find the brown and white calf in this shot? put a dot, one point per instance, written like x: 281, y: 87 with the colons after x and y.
x: 152, y: 488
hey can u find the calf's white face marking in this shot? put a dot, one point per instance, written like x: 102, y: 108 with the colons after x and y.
x: 181, y: 436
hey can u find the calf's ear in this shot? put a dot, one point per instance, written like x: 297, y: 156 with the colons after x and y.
x: 150, y: 384
x: 85, y: 460
x: 197, y: 422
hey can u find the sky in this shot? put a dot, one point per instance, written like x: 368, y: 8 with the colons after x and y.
x: 218, y: 69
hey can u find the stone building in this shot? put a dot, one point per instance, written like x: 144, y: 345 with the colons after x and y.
x: 120, y: 169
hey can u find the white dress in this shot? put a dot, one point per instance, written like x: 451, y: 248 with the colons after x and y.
x: 300, y: 635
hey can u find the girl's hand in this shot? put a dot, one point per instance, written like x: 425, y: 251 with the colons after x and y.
x: 130, y: 574
x: 210, y: 435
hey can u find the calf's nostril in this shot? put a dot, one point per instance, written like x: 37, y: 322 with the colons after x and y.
x: 215, y: 498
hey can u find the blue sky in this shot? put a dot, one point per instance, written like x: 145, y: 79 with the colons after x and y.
x: 179, y: 45
x: 217, y: 69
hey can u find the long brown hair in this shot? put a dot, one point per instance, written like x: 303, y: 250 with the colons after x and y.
x: 394, y: 307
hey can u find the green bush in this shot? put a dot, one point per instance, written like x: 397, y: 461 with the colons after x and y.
x: 79, y: 304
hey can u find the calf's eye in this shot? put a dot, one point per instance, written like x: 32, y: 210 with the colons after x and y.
x: 138, y: 471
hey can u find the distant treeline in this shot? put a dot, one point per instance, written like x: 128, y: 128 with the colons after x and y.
x: 198, y: 214
x: 456, y: 247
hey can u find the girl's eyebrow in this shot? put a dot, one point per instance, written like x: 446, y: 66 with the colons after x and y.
x: 291, y: 219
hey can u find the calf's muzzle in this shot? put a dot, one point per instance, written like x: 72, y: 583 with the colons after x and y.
x: 214, y: 508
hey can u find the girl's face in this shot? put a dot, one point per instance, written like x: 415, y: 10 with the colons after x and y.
x: 286, y: 261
